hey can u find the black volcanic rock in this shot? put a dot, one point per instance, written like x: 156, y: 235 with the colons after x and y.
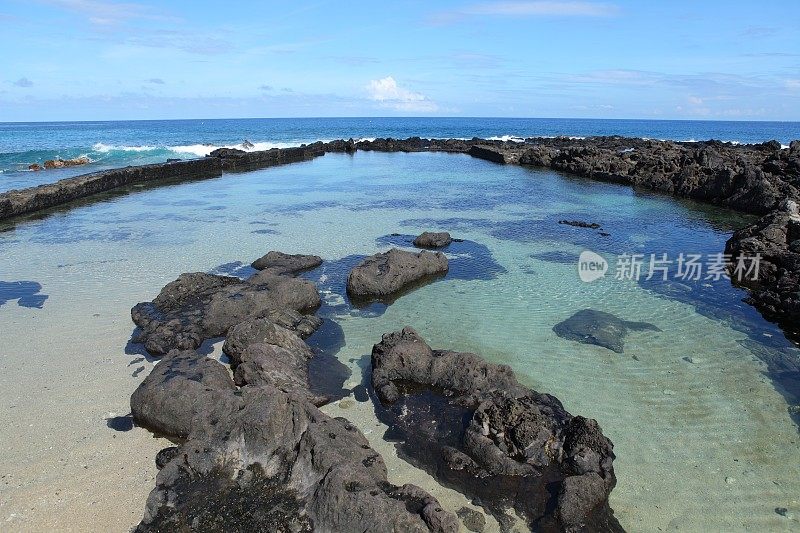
x: 600, y: 328
x: 382, y: 276
x: 199, y: 306
x: 261, y: 459
x: 281, y: 263
x: 775, y: 238
x: 263, y: 353
x: 475, y: 428
x: 433, y: 239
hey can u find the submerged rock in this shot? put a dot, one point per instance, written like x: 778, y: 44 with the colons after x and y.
x: 474, y: 427
x: 383, y: 276
x: 597, y: 327
x: 281, y: 263
x: 580, y: 224
x: 200, y: 306
x: 430, y: 239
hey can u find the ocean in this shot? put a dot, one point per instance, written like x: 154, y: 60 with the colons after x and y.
x: 120, y: 143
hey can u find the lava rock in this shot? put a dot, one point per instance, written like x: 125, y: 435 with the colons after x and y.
x: 281, y: 263
x: 382, y: 276
x: 474, y: 427
x: 199, y: 306
x: 429, y: 239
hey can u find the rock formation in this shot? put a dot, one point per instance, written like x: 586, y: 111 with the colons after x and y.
x: 473, y: 426
x: 383, y: 276
x: 433, y: 239
x: 597, y: 327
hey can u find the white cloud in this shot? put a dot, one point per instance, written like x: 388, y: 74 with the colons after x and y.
x: 388, y: 93
x: 793, y: 84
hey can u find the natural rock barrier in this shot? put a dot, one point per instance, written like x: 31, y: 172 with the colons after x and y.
x: 474, y: 427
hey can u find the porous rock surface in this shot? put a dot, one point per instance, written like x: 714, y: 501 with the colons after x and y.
x: 474, y: 427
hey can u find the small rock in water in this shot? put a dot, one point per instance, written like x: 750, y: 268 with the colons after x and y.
x: 729, y: 480
x: 688, y: 359
x: 783, y: 511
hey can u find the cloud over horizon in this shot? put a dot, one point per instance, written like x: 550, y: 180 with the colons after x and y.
x: 388, y: 93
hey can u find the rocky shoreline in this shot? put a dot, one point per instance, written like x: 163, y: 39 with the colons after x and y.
x: 255, y: 452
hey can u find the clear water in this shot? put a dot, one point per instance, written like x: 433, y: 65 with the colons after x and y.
x: 115, y: 144
x: 702, y: 445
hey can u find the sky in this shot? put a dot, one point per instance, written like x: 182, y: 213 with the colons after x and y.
x: 142, y: 59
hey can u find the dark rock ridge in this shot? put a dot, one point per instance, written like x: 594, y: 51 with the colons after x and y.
x: 199, y: 306
x: 258, y: 458
x: 21, y: 202
x: 776, y: 291
x: 473, y: 426
x: 433, y: 239
x: 234, y: 160
x: 383, y: 276
x: 597, y: 327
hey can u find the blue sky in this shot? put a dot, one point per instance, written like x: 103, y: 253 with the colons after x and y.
x: 141, y: 59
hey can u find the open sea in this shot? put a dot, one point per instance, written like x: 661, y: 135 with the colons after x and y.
x: 703, y: 411
x: 115, y: 144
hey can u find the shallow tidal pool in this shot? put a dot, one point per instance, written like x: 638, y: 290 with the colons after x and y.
x: 700, y: 412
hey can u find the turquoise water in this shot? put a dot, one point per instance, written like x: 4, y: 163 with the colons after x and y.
x: 115, y: 144
x: 705, y: 443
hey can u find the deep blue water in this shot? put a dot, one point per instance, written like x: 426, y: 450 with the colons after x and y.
x: 114, y: 144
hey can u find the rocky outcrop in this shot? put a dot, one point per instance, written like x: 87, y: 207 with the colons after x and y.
x: 255, y: 453
x: 473, y: 426
x: 775, y: 288
x: 589, y: 326
x: 258, y: 458
x: 62, y: 163
x: 749, y: 178
x: 199, y: 306
x: 433, y: 239
x: 383, y: 276
x: 281, y: 263
x: 264, y: 353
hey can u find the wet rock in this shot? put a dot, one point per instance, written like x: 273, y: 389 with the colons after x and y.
x: 580, y: 224
x: 429, y: 239
x: 199, y: 306
x: 35, y: 167
x: 382, y: 276
x: 165, y: 456
x: 61, y: 163
x: 475, y: 428
x: 281, y: 263
x: 597, y: 327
